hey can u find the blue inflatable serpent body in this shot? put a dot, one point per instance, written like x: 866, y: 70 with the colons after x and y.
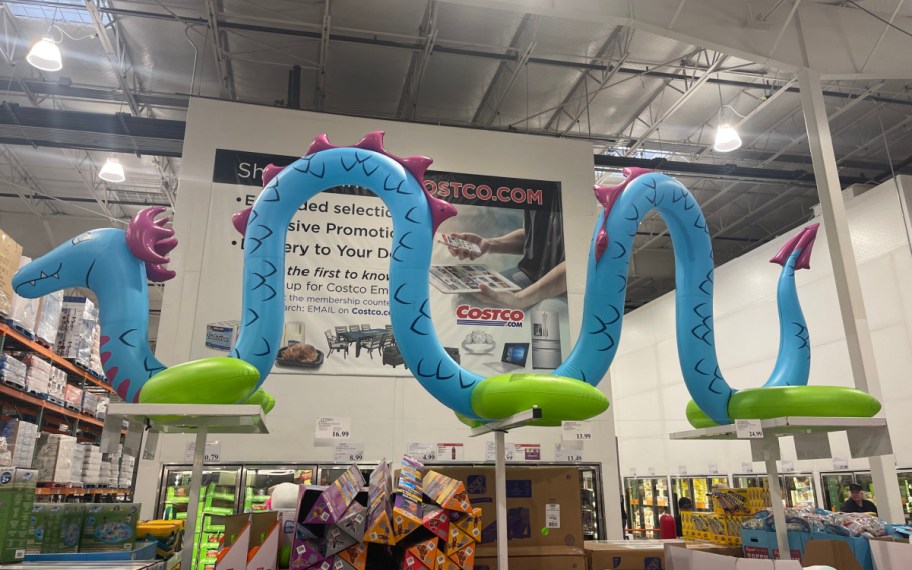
x: 416, y: 215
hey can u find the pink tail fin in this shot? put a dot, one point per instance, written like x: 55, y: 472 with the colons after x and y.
x: 803, y: 240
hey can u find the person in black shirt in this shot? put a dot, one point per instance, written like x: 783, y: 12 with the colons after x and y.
x: 684, y: 504
x: 856, y: 503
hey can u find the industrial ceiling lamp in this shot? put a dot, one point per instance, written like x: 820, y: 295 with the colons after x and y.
x: 112, y: 171
x: 727, y: 138
x: 45, y: 55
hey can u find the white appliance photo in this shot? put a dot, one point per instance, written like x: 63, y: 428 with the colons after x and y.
x: 546, y: 348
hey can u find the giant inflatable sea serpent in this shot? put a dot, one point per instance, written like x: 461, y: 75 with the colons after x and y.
x: 115, y: 264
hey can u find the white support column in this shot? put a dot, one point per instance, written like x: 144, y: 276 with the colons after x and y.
x: 845, y: 274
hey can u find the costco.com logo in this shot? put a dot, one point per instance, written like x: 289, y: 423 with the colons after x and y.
x: 468, y: 315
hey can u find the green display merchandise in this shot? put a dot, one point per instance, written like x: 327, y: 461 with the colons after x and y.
x: 17, y: 495
x: 109, y: 527
x: 55, y: 528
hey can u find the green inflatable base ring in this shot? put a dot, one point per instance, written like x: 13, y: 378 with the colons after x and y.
x: 472, y: 423
x: 560, y: 398
x: 782, y: 401
x: 218, y: 380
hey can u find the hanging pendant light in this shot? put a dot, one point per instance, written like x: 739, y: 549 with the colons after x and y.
x: 45, y: 55
x: 112, y: 171
x: 727, y: 138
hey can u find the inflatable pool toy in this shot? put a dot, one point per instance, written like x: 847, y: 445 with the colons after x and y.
x: 569, y: 393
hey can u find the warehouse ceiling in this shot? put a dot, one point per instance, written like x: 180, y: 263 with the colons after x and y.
x: 640, y: 98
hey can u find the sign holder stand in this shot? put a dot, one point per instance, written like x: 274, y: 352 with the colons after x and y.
x: 189, y: 418
x: 868, y: 437
x: 500, y: 429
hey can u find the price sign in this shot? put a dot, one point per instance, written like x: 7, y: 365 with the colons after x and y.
x: 682, y: 470
x: 576, y: 431
x: 747, y: 467
x: 212, y: 454
x: 840, y: 463
x: 632, y: 472
x: 330, y: 430
x: 651, y: 471
x: 423, y: 451
x: 491, y: 451
x: 346, y: 452
x: 749, y: 429
x: 713, y: 469
x: 568, y: 451
x: 450, y: 451
x: 528, y: 452
x: 788, y: 466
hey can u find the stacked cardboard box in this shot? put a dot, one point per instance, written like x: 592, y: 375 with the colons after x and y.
x: 91, y: 465
x: 716, y: 528
x: 95, y: 359
x: 90, y: 403
x: 125, y: 476
x: 72, y: 396
x: 24, y: 312
x: 12, y: 370
x: 54, y: 457
x: 38, y: 374
x: 57, y: 384
x: 17, y: 494
x: 740, y: 501
x: 49, y: 318
x: 102, y: 407
x: 10, y: 253
x: 76, y: 333
x: 251, y: 542
x: 20, y: 437
x: 55, y: 528
x: 109, y: 527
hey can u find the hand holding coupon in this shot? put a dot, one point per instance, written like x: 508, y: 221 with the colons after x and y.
x: 465, y: 246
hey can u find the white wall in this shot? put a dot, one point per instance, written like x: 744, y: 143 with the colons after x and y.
x: 387, y: 413
x: 646, y: 379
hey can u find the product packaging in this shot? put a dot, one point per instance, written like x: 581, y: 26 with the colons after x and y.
x: 75, y: 335
x: 54, y: 457
x: 379, y: 527
x: 12, y: 370
x: 407, y: 506
x: 222, y: 335
x: 20, y: 437
x: 109, y: 526
x: 24, y: 313
x: 17, y: 495
x: 49, y: 318
x: 10, y: 254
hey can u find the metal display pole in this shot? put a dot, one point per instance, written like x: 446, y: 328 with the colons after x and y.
x: 500, y: 429
x: 772, y: 473
x: 197, y: 419
x: 196, y: 480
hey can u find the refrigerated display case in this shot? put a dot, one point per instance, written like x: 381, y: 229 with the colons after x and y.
x: 259, y: 479
x: 836, y: 487
x: 697, y: 488
x: 329, y: 473
x: 799, y: 490
x: 219, y: 492
x: 647, y: 499
x: 590, y: 495
x: 754, y: 480
x: 905, y: 492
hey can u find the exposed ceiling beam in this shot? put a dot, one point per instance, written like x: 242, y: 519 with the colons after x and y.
x: 34, y: 87
x: 19, y: 180
x: 320, y: 87
x: 115, y: 52
x: 579, y: 93
x: 523, y: 43
x: 676, y: 106
x: 408, y: 101
x: 220, y: 41
x: 11, y: 31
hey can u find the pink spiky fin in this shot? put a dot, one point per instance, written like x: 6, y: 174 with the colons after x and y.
x: 607, y: 197
x: 373, y: 141
x: 803, y: 240
x: 321, y: 142
x: 417, y: 166
x: 239, y: 220
x: 441, y: 211
x: 270, y: 172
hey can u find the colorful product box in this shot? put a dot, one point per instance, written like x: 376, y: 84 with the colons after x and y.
x: 740, y: 501
x: 17, y: 495
x: 436, y: 520
x: 470, y: 523
x: 109, y: 527
x: 55, y: 528
x: 407, y: 506
x: 447, y: 492
x: 334, y: 501
x: 379, y: 527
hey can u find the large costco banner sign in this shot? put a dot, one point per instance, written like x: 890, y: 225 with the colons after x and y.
x: 498, y: 295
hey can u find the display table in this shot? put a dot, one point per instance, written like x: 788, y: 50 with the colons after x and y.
x: 500, y: 428
x: 868, y: 437
x: 187, y: 418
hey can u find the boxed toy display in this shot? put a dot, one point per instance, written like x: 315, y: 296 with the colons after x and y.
x: 10, y: 253
x: 740, y: 501
x: 17, y: 494
x: 109, y: 527
x: 55, y: 528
